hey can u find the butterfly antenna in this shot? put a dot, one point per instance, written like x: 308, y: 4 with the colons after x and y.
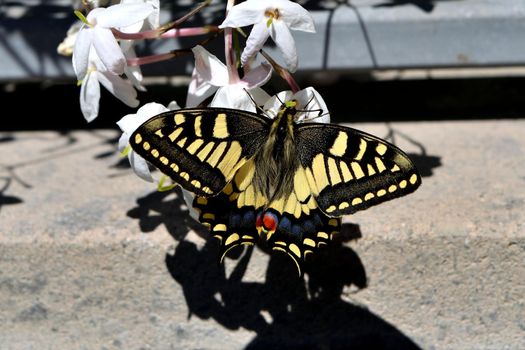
x: 309, y: 101
x: 321, y: 114
x: 257, y: 107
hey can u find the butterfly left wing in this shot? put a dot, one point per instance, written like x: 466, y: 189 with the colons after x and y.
x: 347, y: 170
x: 200, y: 148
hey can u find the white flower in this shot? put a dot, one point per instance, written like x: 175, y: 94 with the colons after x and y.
x: 211, y: 75
x: 272, y: 18
x: 90, y: 88
x: 309, y: 102
x: 150, y: 22
x: 134, y: 73
x: 128, y: 124
x: 96, y: 35
x: 65, y: 48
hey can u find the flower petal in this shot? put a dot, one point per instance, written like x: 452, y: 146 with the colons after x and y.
x: 130, y: 122
x: 258, y: 76
x: 296, y: 17
x: 108, y: 50
x: 284, y: 40
x: 93, y: 15
x: 233, y: 96
x: 90, y: 96
x: 140, y: 167
x: 273, y: 104
x: 244, y: 14
x: 255, y: 41
x: 123, y: 15
x: 133, y: 73
x: 188, y: 198
x: 81, y: 52
x: 199, y: 90
x: 120, y: 88
x: 209, y: 67
x: 173, y: 105
x: 311, y: 101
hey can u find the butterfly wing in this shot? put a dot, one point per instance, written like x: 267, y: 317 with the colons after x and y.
x: 349, y: 170
x: 203, y: 148
x: 232, y: 214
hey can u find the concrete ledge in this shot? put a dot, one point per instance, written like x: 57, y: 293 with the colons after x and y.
x: 93, y: 258
x: 367, y: 35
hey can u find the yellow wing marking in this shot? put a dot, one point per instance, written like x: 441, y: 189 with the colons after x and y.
x: 173, y: 136
x: 232, y: 238
x: 295, y: 249
x: 380, y: 165
x: 220, y: 129
x: 335, y: 178
x: 244, y: 176
x: 301, y: 185
x: 194, y: 146
x: 203, y: 153
x: 381, y: 149
x: 357, y: 170
x: 216, y: 154
x: 230, y: 162
x: 362, y: 150
x: 197, y: 126
x: 311, y: 181
x: 179, y: 118
x: 319, y: 172
x: 371, y: 170
x: 339, y: 146
x: 182, y: 142
x: 347, y: 175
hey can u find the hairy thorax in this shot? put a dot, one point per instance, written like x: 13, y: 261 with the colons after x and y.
x: 277, y: 159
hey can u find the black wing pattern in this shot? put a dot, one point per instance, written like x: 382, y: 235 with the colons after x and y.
x: 349, y: 170
x: 202, y: 148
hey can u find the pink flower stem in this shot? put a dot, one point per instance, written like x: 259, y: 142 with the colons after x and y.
x: 138, y: 61
x: 172, y: 33
x: 283, y: 73
x: 229, y: 52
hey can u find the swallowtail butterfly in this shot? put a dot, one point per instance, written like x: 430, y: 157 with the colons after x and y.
x: 284, y: 182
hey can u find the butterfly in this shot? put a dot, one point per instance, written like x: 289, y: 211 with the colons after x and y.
x: 275, y: 180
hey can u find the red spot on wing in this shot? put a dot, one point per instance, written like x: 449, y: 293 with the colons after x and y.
x: 267, y: 221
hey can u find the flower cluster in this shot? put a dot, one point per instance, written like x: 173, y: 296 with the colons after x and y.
x: 102, y: 47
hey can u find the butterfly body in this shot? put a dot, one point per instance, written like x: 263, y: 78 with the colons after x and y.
x: 288, y: 183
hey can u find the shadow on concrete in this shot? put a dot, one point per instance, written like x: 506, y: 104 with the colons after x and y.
x: 286, y: 311
x: 424, y: 5
x: 424, y: 163
x: 6, y: 199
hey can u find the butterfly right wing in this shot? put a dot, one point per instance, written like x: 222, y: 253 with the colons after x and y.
x: 201, y: 149
x: 231, y: 215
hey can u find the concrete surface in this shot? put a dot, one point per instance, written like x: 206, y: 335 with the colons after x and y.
x: 91, y: 257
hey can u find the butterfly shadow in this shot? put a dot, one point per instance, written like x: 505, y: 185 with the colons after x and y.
x: 424, y: 162
x: 284, y: 311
